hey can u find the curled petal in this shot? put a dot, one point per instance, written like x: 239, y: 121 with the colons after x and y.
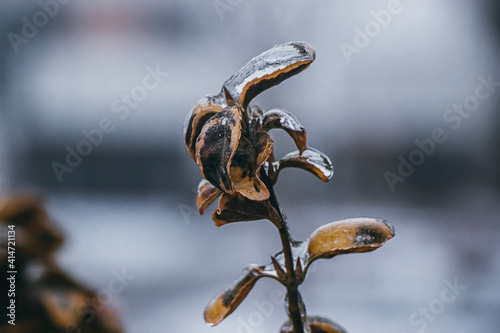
x: 246, y: 167
x: 235, y: 208
x: 216, y: 146
x: 269, y: 69
x: 311, y: 160
x: 207, y: 193
x: 202, y: 112
x: 223, y: 304
x: 362, y: 234
x: 277, y: 118
x: 264, y: 146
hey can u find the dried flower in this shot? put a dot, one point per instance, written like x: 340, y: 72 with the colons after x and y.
x: 227, y: 136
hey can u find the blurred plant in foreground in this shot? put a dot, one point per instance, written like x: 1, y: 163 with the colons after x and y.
x: 46, y: 299
x: 227, y: 136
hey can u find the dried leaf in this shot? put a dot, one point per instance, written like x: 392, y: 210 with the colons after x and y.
x: 216, y: 146
x: 311, y: 160
x: 207, y: 193
x: 361, y: 234
x: 246, y: 166
x: 202, y: 112
x: 223, y: 304
x: 235, y: 208
x: 268, y: 69
x: 278, y: 118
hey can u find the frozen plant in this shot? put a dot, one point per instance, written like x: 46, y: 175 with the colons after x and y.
x: 227, y: 135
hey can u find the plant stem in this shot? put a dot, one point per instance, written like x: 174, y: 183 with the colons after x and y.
x: 291, y: 282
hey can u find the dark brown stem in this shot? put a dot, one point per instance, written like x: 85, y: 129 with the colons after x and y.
x: 291, y: 282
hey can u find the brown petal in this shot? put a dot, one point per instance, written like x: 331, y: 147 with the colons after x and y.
x: 311, y: 160
x: 277, y: 118
x: 236, y: 208
x: 246, y: 167
x: 202, y: 112
x: 227, y: 301
x: 207, y: 193
x: 216, y: 146
x: 362, y: 234
x: 269, y: 69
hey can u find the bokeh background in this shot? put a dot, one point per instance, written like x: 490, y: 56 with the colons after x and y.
x: 129, y: 204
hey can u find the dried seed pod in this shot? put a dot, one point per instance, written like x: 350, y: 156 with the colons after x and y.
x: 246, y: 166
x: 278, y: 118
x: 269, y: 69
x: 216, y: 146
x: 235, y: 208
x: 362, y: 234
x: 324, y: 325
x: 206, y: 108
x: 223, y: 304
x: 311, y: 160
x: 207, y: 193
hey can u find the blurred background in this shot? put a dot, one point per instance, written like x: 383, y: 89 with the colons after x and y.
x: 92, y: 103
